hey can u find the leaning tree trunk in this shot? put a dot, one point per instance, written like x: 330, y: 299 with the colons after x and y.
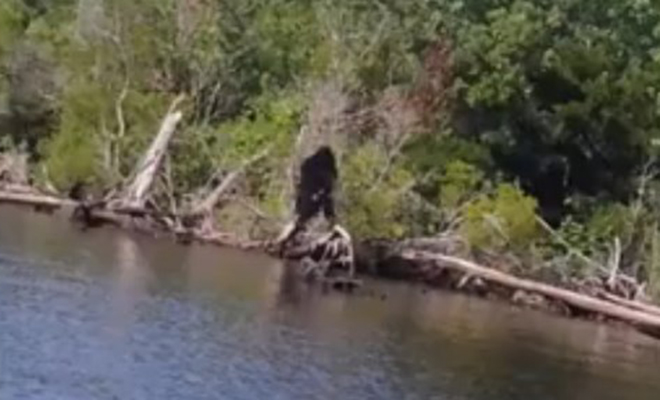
x: 136, y: 193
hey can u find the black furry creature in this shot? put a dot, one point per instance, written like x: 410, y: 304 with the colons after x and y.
x: 318, y: 175
x: 314, y: 195
x: 82, y: 213
x: 78, y: 191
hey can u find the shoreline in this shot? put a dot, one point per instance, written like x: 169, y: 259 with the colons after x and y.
x: 395, y: 261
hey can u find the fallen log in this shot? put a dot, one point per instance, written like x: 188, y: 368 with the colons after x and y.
x: 42, y: 202
x: 35, y: 200
x: 644, y: 321
x: 635, y: 305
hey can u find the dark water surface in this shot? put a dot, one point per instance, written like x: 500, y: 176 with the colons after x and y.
x: 106, y: 315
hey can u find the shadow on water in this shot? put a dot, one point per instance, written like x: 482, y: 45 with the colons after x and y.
x: 111, y: 315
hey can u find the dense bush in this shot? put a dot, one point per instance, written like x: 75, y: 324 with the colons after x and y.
x: 501, y: 220
x: 373, y: 203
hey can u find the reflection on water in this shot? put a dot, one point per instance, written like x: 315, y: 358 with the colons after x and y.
x: 108, y: 315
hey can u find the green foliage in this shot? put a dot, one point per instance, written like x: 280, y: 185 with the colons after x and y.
x: 493, y: 53
x: 143, y: 112
x: 73, y: 158
x: 653, y: 263
x: 88, y: 133
x: 458, y: 183
x: 268, y: 126
x: 271, y: 126
x: 374, y: 202
x: 606, y: 223
x: 194, y: 158
x: 562, y: 79
x: 504, y: 219
x: 271, y: 122
x: 72, y: 155
x: 288, y: 41
x: 11, y: 23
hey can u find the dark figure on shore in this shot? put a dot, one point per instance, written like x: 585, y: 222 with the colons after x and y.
x: 78, y: 191
x: 318, y: 174
x: 314, y: 196
x: 82, y: 214
x: 314, y: 192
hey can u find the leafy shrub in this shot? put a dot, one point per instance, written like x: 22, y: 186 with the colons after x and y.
x: 458, y: 183
x: 504, y: 219
x: 372, y: 201
x: 11, y: 18
x: 72, y: 157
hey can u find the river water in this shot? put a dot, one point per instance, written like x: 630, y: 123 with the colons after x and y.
x: 109, y: 315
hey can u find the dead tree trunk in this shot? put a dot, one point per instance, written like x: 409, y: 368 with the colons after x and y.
x: 200, y: 214
x: 135, y: 194
x: 632, y: 304
x: 640, y: 318
x: 37, y: 200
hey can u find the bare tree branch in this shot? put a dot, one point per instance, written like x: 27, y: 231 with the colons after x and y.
x: 207, y: 204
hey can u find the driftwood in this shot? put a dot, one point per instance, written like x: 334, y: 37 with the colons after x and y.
x: 637, y: 316
x: 35, y: 200
x: 635, y: 305
x: 47, y: 203
x: 135, y: 195
x: 614, y: 279
x: 147, y: 221
x: 127, y: 208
